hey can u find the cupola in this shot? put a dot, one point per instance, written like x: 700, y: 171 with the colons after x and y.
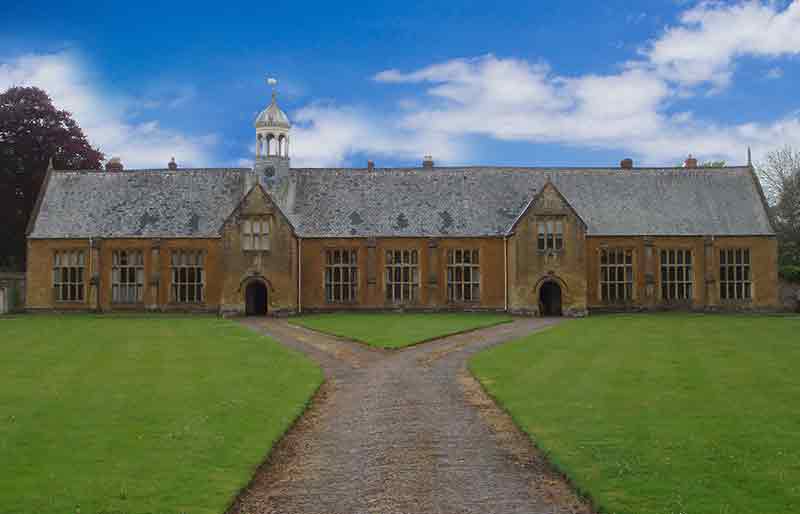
x: 272, y: 130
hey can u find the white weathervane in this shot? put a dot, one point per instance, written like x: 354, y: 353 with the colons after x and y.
x: 272, y: 82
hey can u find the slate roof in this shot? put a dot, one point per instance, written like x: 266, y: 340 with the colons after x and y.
x: 141, y: 203
x: 484, y: 201
x: 416, y: 202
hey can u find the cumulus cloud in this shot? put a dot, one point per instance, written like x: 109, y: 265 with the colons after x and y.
x: 638, y: 107
x: 628, y: 109
x: 104, y: 119
x: 710, y: 36
x: 631, y: 108
x: 774, y: 73
x: 329, y: 135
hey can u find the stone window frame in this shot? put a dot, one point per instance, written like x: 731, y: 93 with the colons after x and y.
x: 626, y: 268
x: 550, y: 233
x: 677, y: 263
x: 127, y: 270
x: 402, y: 276
x: 259, y: 240
x: 69, y: 275
x: 463, y: 275
x: 736, y: 264
x: 341, y: 274
x: 191, y: 263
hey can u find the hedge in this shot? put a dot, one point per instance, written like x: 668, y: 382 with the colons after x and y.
x: 790, y: 273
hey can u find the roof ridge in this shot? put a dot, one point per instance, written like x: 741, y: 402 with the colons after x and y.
x: 142, y: 170
x: 531, y: 168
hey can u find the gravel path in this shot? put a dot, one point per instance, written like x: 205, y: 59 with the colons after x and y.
x: 403, y: 431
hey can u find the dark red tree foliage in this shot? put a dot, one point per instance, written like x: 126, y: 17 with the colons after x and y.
x: 32, y: 131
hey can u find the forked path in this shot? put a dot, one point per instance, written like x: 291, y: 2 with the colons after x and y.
x: 404, y: 431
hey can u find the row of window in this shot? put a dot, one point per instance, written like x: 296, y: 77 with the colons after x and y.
x: 677, y: 275
x: 127, y: 276
x: 401, y: 275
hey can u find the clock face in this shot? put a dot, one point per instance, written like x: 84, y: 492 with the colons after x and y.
x: 269, y: 172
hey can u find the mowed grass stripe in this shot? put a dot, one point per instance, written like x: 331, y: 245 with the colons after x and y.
x: 136, y: 414
x: 662, y: 413
x: 397, y: 330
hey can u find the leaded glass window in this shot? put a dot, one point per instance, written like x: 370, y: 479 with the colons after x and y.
x: 68, y: 275
x: 463, y: 275
x: 127, y: 276
x: 402, y: 276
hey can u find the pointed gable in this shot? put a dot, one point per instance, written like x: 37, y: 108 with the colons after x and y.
x: 256, y: 202
x: 548, y: 201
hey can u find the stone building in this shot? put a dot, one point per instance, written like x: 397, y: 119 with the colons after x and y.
x: 273, y: 239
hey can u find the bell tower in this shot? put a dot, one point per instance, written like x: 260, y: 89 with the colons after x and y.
x: 272, y: 141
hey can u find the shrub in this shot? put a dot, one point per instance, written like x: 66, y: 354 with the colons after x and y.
x: 790, y: 273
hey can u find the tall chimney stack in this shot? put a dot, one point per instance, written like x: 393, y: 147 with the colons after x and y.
x: 427, y: 161
x: 172, y: 165
x: 626, y: 164
x: 370, y: 166
x: 690, y: 163
x: 114, y: 164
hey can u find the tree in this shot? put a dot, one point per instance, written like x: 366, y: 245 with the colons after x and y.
x: 780, y: 178
x: 713, y: 164
x: 32, y: 131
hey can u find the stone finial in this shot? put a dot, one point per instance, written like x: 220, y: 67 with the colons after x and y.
x: 749, y: 157
x: 114, y: 164
x: 172, y: 165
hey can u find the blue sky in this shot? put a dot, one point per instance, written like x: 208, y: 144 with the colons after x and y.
x: 517, y: 83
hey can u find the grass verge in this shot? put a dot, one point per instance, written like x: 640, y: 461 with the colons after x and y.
x: 397, y: 330
x: 139, y: 414
x: 661, y: 414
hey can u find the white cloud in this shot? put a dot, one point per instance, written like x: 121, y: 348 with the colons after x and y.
x: 513, y: 99
x: 628, y: 110
x: 105, y: 120
x: 710, y: 36
x: 774, y: 73
x: 328, y: 135
x: 631, y: 109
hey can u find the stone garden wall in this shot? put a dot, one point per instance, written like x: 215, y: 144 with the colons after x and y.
x: 12, y: 292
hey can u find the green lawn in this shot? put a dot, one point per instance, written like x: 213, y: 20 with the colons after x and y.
x: 139, y: 414
x: 396, y: 330
x: 662, y: 414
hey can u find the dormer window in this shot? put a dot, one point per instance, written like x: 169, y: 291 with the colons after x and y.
x: 255, y: 234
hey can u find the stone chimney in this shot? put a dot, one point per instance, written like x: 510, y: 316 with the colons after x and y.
x: 427, y: 162
x: 172, y: 165
x: 626, y: 163
x: 370, y: 165
x: 690, y: 162
x: 114, y: 164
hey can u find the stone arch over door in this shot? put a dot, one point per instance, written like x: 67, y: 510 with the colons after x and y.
x: 255, y: 292
x: 550, y: 294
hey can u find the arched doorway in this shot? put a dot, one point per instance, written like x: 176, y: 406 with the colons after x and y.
x: 255, y: 296
x: 550, y: 299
